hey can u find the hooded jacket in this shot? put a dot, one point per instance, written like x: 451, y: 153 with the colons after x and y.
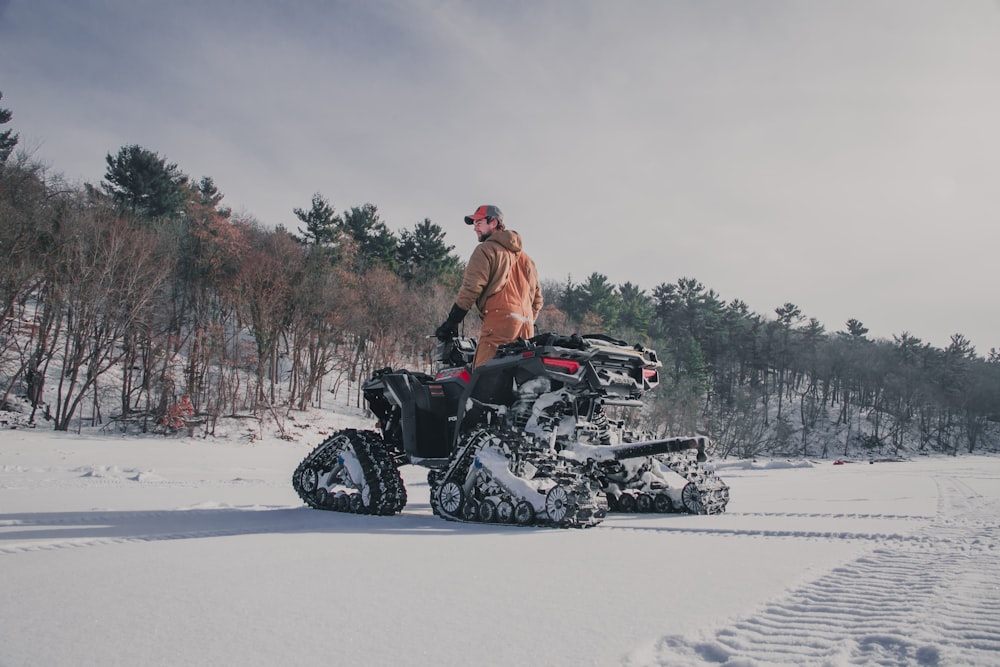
x: 501, y: 277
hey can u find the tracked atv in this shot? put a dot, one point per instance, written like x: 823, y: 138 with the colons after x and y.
x: 523, y: 439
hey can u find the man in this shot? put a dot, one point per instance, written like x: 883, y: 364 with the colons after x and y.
x: 501, y: 281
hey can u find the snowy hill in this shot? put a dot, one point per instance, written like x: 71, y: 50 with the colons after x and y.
x: 170, y: 551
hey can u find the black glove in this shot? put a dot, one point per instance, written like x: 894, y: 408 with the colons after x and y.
x: 449, y: 329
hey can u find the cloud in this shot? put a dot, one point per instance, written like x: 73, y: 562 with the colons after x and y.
x: 838, y: 155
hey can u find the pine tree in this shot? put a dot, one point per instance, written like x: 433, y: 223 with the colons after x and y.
x: 142, y: 183
x: 321, y: 223
x: 375, y: 244
x: 423, y: 254
x: 855, y: 329
x: 8, y: 139
x: 636, y: 309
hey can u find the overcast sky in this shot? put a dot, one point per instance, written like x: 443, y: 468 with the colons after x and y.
x: 841, y: 155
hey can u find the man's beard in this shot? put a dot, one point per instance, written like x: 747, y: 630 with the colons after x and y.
x: 484, y: 235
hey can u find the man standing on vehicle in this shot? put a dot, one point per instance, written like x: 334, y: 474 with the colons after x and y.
x: 501, y: 281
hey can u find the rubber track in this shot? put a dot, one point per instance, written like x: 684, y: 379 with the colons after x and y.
x: 387, y: 493
x: 713, y: 491
x: 582, y: 514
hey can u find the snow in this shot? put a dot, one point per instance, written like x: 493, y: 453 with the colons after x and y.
x: 184, y: 551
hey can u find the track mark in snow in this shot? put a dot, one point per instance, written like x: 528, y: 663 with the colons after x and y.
x: 929, y: 601
x: 831, y: 515
x: 785, y: 534
x: 90, y: 477
x: 20, y: 533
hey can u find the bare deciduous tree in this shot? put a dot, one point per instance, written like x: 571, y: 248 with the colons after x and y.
x: 108, y: 275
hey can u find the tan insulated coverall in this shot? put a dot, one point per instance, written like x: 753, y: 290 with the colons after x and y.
x: 502, y: 282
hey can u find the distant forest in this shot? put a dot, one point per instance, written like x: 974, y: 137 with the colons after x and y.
x: 145, y: 302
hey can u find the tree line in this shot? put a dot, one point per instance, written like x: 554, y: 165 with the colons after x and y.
x: 145, y: 301
x: 785, y: 385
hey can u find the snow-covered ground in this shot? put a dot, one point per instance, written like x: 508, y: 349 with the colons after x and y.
x: 178, y: 551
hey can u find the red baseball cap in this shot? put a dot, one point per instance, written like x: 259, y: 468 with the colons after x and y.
x: 484, y: 211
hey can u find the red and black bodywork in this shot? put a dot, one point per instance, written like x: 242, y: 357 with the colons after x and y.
x: 422, y: 417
